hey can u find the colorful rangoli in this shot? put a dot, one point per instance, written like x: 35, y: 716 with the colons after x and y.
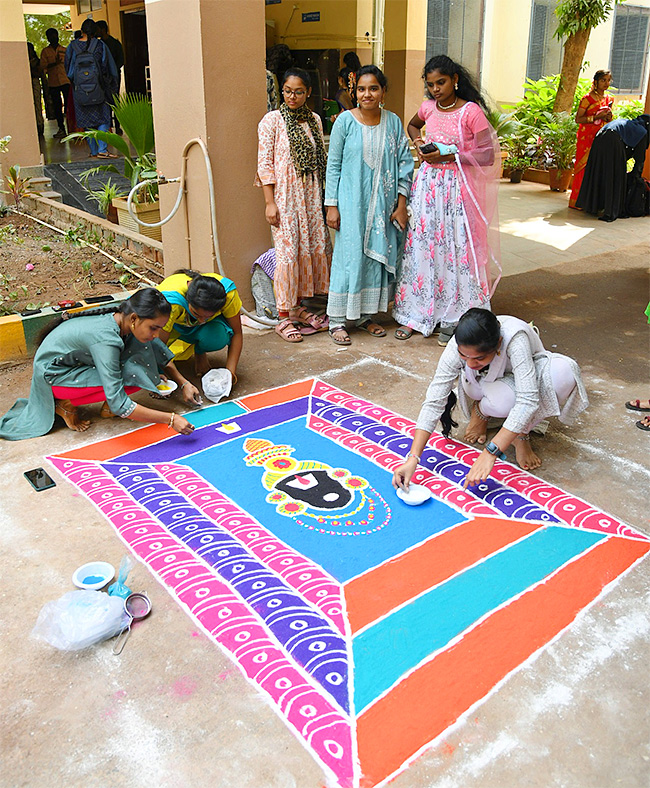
x: 371, y: 625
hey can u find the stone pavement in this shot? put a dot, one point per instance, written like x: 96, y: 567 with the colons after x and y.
x: 172, y: 710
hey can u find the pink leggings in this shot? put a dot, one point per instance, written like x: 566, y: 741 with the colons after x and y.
x: 86, y: 394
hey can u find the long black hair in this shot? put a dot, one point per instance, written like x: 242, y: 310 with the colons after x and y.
x: 204, y: 292
x: 467, y: 88
x: 147, y: 303
x: 376, y: 72
x: 351, y: 60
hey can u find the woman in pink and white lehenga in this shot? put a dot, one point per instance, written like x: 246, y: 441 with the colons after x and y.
x: 451, y: 259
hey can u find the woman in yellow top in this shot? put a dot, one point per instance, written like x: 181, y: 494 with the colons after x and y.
x: 204, y: 317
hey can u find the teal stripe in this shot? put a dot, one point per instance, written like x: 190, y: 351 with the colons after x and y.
x: 400, y: 641
x: 215, y: 413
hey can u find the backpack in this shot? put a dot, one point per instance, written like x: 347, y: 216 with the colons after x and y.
x: 86, y: 77
x: 637, y: 201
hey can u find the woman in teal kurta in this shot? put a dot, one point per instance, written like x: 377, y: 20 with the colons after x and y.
x: 369, y: 171
x: 101, y: 354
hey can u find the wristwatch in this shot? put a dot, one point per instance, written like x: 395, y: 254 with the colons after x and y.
x: 495, y: 450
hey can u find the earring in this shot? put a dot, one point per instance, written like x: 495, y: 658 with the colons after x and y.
x: 455, y: 85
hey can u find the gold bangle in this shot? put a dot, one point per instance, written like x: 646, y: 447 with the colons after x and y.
x: 171, y: 421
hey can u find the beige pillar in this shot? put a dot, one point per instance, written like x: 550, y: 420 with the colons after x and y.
x: 405, y: 26
x: 646, y: 110
x: 16, y: 103
x: 208, y: 81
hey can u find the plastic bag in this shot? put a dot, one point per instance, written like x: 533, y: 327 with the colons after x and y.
x: 216, y: 384
x: 118, y: 588
x: 80, y: 619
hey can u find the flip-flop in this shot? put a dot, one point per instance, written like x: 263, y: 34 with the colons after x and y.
x: 107, y: 156
x: 308, y: 330
x: 343, y: 340
x: 366, y: 327
x: 288, y: 331
x: 635, y: 404
x: 403, y: 332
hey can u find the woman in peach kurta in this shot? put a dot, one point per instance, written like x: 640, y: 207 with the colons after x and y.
x: 290, y: 169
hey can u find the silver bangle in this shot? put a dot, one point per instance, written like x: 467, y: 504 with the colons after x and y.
x: 415, y: 456
x: 524, y: 437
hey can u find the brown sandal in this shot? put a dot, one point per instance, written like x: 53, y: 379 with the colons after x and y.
x: 343, y: 338
x: 288, y: 331
x: 374, y: 329
x: 306, y: 318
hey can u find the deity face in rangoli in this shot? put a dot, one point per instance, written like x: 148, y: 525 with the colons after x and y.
x: 315, y: 488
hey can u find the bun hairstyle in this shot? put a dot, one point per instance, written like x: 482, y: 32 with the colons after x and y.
x: 300, y: 73
x: 376, y: 72
x: 145, y: 304
x: 600, y: 74
x: 89, y: 27
x: 204, y: 292
x: 480, y: 329
x: 467, y: 88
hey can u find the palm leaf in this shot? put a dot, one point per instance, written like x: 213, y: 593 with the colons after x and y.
x: 105, y: 136
x: 135, y: 115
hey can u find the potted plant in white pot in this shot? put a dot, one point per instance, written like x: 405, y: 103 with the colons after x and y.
x: 135, y: 115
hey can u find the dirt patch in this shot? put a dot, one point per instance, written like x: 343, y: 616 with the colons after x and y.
x: 40, y: 267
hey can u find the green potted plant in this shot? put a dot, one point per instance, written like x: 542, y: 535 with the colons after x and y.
x: 135, y: 115
x: 558, y: 139
x: 505, y: 125
x: 517, y: 166
x: 104, y: 198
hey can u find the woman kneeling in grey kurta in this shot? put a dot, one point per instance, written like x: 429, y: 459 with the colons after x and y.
x: 504, y: 372
x: 100, y: 355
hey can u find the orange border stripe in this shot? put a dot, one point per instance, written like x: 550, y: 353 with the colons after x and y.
x: 432, y: 698
x: 113, y: 447
x: 276, y: 396
x: 379, y: 591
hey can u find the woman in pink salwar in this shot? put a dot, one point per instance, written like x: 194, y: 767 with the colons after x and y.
x: 451, y: 259
x: 291, y: 164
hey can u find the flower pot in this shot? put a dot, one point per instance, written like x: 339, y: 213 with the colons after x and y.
x: 147, y: 211
x: 504, y: 156
x: 112, y: 214
x: 516, y: 176
x: 559, y: 180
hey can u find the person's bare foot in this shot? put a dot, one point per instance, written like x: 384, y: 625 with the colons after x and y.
x: 69, y: 414
x: 476, y: 431
x: 526, y: 457
x: 201, y: 364
x: 106, y: 412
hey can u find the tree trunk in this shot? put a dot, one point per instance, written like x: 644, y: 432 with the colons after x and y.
x: 574, y: 52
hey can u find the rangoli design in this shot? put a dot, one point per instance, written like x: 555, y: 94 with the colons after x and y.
x: 371, y: 625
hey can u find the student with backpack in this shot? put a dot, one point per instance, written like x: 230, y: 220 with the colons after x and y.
x: 92, y: 72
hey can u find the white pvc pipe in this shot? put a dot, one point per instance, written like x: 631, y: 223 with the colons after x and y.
x: 181, y: 191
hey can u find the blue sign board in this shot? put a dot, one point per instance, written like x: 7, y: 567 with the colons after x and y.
x: 312, y: 16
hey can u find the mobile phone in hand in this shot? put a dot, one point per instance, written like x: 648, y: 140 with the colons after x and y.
x: 428, y: 147
x: 39, y: 479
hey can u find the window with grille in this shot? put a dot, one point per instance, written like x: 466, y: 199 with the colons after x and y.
x: 629, y: 48
x: 544, y: 50
x: 455, y: 28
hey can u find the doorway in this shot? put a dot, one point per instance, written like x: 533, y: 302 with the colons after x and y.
x: 136, y: 51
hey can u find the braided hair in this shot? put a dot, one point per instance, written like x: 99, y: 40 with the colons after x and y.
x: 466, y: 89
x: 204, y: 292
x: 147, y: 303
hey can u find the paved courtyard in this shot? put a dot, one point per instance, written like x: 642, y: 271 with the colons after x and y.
x: 173, y: 711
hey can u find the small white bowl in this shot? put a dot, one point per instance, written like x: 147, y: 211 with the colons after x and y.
x: 94, y: 575
x: 416, y: 495
x: 170, y: 387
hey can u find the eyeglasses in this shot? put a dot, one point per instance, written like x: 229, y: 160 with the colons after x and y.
x: 296, y: 93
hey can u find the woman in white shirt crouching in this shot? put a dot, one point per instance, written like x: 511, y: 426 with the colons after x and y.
x: 504, y: 372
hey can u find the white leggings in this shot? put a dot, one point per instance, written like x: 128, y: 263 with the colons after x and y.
x: 496, y: 399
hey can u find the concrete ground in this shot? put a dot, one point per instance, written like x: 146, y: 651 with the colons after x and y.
x: 173, y: 711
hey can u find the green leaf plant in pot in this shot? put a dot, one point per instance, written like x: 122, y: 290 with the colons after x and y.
x: 505, y: 125
x: 558, y: 139
x: 135, y: 115
x: 517, y: 166
x: 105, y: 196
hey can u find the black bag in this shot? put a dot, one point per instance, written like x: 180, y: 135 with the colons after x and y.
x: 86, y: 77
x: 637, y: 198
